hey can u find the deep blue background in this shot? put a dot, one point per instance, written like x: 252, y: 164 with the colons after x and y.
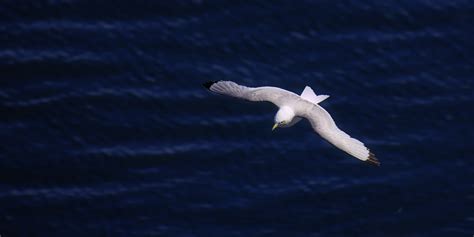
x: 106, y: 130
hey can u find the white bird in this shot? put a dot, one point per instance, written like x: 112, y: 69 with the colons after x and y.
x: 292, y: 108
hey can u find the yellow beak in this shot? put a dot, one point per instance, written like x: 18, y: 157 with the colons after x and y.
x: 275, y: 126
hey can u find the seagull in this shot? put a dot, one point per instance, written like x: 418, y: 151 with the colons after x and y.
x: 294, y: 107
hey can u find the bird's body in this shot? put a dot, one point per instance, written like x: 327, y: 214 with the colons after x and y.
x: 292, y: 108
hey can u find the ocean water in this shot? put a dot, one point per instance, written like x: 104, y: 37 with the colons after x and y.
x: 106, y: 129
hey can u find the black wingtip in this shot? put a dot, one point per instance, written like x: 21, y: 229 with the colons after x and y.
x: 372, y: 160
x: 208, y: 84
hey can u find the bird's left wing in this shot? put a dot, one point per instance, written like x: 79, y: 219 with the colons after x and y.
x: 274, y: 95
x: 324, y: 125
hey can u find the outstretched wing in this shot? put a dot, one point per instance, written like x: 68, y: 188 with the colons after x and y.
x: 274, y: 95
x: 325, y: 126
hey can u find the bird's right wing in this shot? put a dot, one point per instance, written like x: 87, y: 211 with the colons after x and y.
x: 324, y: 125
x: 274, y: 95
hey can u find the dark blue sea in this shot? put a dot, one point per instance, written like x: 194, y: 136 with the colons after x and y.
x: 106, y: 129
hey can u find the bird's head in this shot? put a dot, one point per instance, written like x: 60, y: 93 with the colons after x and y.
x: 283, y: 117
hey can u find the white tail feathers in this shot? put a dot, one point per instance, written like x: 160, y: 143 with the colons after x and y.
x: 309, y: 95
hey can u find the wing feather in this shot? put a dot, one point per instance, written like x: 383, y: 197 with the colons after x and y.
x: 324, y: 125
x: 274, y: 95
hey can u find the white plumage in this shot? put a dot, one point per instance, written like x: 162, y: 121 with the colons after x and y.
x: 292, y: 108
